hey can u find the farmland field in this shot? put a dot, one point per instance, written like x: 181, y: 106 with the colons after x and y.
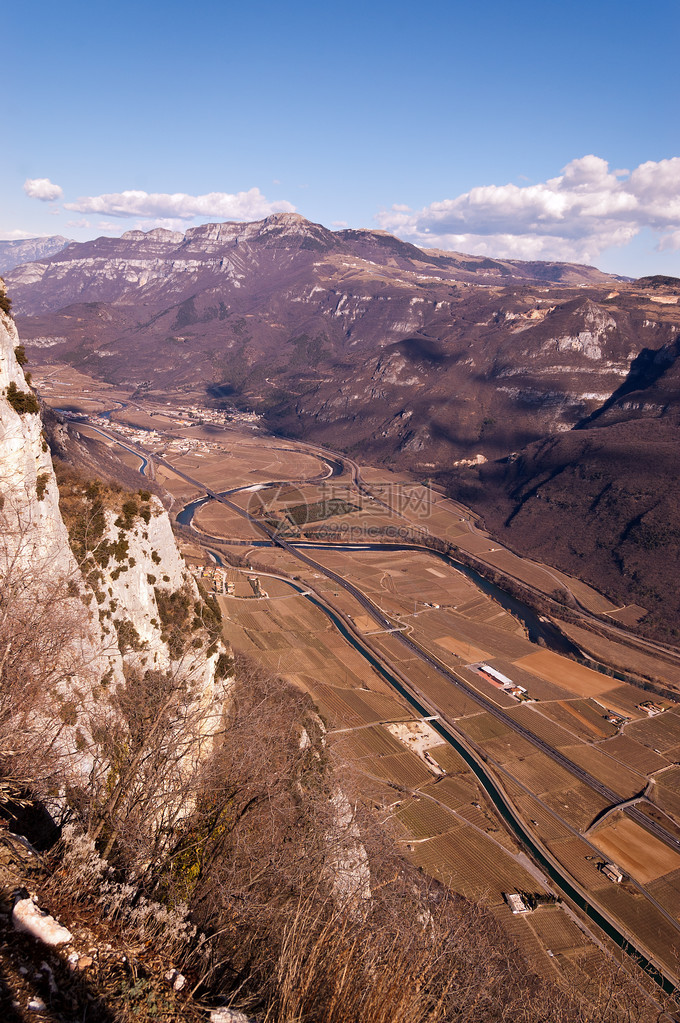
x: 453, y: 792
x: 467, y: 651
x: 530, y: 716
x: 583, y: 717
x: 578, y: 805
x: 667, y: 891
x: 613, y: 773
x: 634, y: 849
x: 623, y: 656
x: 472, y: 865
x: 366, y: 742
x: 567, y: 674
x: 629, y: 615
x: 541, y: 774
x: 557, y: 930
x: 633, y: 753
x: 448, y: 759
x: 645, y: 921
x: 402, y: 769
x: 660, y: 732
x: 424, y: 819
x: 526, y: 571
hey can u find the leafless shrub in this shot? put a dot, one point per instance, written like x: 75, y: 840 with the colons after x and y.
x: 253, y: 864
x: 84, y: 876
x: 151, y: 738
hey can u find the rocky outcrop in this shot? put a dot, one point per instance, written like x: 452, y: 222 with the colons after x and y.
x: 37, y: 565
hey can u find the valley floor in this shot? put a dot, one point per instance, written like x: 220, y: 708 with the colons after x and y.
x: 359, y: 586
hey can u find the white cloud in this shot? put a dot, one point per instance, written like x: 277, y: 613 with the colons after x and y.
x: 43, y: 189
x: 169, y: 223
x: 250, y: 205
x: 575, y: 216
x: 670, y: 242
x: 18, y: 235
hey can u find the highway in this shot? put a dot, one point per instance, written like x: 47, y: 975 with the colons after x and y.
x: 616, y: 631
x: 450, y: 675
x: 475, y: 759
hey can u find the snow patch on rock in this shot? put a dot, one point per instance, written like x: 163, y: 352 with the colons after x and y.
x: 27, y: 918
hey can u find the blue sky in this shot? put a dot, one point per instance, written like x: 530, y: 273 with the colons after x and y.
x: 462, y: 117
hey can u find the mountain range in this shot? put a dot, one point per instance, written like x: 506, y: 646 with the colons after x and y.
x: 544, y: 394
x: 13, y: 253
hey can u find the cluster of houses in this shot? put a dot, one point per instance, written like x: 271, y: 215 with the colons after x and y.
x: 191, y: 415
x: 214, y: 576
x: 650, y: 708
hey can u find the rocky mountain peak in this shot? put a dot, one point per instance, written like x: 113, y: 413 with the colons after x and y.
x: 158, y: 234
x: 293, y: 222
x: 293, y: 228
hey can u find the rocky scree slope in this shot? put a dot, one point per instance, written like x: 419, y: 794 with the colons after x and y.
x: 88, y: 610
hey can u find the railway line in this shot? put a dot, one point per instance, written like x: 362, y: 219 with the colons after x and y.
x: 384, y: 622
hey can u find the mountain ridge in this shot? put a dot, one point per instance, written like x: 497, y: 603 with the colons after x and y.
x: 229, y: 309
x: 435, y: 363
x: 23, y: 250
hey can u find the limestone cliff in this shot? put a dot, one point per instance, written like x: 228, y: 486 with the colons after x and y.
x: 37, y: 565
x: 95, y: 601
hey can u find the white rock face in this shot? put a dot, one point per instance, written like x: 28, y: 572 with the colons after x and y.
x: 152, y: 562
x: 478, y: 459
x: 590, y: 341
x: 22, y: 460
x: 36, y: 562
x: 229, y: 1016
x: 348, y: 862
x: 37, y: 567
x: 391, y: 370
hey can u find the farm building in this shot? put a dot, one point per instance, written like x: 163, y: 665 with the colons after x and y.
x: 516, y: 902
x: 611, y: 871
